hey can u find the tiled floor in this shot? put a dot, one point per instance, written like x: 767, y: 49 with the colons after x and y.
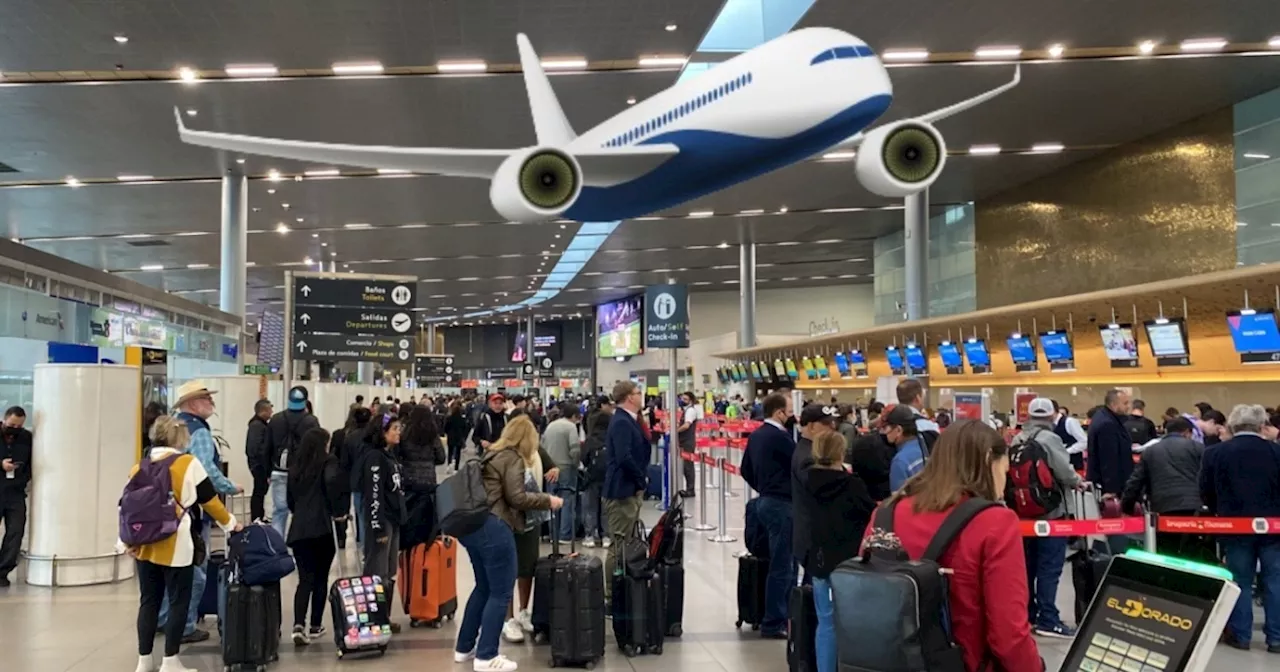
x: 92, y: 630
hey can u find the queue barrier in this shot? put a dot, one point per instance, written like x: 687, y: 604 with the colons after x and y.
x: 1141, y: 524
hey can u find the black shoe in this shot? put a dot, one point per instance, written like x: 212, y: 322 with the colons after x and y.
x: 1231, y: 641
x: 781, y: 634
x: 4, y: 582
x: 1273, y: 648
x: 197, y: 635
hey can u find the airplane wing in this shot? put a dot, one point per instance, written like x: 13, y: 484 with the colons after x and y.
x: 481, y: 163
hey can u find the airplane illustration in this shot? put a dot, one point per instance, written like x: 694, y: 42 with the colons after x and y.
x: 799, y: 95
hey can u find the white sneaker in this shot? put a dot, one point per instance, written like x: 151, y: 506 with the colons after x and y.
x: 607, y: 542
x: 589, y: 542
x: 512, y: 632
x: 497, y: 663
x: 172, y: 664
x: 526, y: 620
x: 464, y: 657
x: 146, y: 664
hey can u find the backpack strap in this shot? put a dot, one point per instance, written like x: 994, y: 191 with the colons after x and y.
x: 954, y: 523
x: 884, y: 517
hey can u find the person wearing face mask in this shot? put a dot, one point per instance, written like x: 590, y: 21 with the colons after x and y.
x: 15, y: 474
x: 870, y: 458
x: 690, y: 415
x: 766, y: 467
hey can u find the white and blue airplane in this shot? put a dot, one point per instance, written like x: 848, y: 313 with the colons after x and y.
x: 794, y: 97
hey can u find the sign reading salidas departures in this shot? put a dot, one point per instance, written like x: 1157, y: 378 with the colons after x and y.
x: 666, y: 316
x: 353, y: 319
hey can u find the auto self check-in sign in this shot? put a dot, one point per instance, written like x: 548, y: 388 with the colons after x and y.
x: 666, y: 316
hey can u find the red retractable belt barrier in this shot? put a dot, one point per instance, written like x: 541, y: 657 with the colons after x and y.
x: 688, y: 457
x: 1211, y: 525
x: 730, y: 468
x: 1081, y: 528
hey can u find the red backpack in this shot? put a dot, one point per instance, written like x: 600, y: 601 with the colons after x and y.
x: 1032, y: 492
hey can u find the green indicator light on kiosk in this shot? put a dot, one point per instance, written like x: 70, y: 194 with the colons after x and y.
x: 1179, y: 563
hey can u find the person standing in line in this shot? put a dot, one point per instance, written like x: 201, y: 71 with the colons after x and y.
x: 816, y: 421
x: 626, y: 455
x: 382, y: 493
x: 1141, y: 429
x: 1072, y: 434
x: 317, y: 499
x: 165, y: 569
x: 257, y: 448
x: 153, y: 411
x: 285, y: 430
x: 455, y: 429
x: 1110, y: 446
x: 690, y: 415
x: 561, y: 442
x: 1167, y: 478
x: 195, y: 405
x: 593, y: 469
x: 911, y: 450
x: 15, y: 476
x: 355, y: 442
x: 911, y: 396
x: 766, y: 467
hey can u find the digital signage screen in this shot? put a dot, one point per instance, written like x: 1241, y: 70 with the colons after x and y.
x: 1120, y: 345
x: 916, y: 360
x: 975, y: 350
x: 792, y: 373
x: 896, y: 365
x: 546, y: 343
x: 858, y: 362
x: 952, y: 360
x: 1023, y: 353
x: 1168, y: 341
x: 1058, y: 351
x: 619, y: 324
x: 1254, y: 335
x: 755, y: 372
x: 842, y: 364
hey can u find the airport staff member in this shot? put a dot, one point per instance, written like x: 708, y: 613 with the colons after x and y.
x: 15, y: 463
x: 626, y: 454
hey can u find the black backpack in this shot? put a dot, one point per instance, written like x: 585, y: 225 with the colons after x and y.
x: 462, y: 503
x: 893, y: 612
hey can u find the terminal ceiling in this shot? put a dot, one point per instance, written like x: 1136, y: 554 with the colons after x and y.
x: 818, y: 224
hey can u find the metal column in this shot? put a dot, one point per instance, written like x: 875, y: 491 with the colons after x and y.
x: 364, y: 371
x: 235, y: 242
x: 675, y: 463
x: 915, y: 244
x: 528, y: 348
x: 747, y: 295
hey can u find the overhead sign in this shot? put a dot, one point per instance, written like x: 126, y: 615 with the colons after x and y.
x: 526, y: 370
x: 546, y: 367
x: 260, y: 369
x: 435, y: 370
x: 666, y: 312
x: 500, y: 374
x: 342, y: 292
x: 342, y: 348
x: 373, y: 321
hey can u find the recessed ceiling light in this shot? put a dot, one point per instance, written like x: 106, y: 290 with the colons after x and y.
x: 151, y: 267
x: 1203, y: 44
x: 702, y: 213
x: 134, y: 178
x: 392, y: 171
x: 306, y: 260
x: 274, y: 175
x: 462, y: 66
x: 72, y: 182
x: 1274, y: 42
x: 783, y: 209
x: 285, y: 206
x: 661, y: 61
x: 905, y: 54
x: 323, y: 172
x: 321, y: 244
x: 1047, y: 147
x: 671, y: 27
x: 188, y: 74
x: 1256, y: 155
x: 839, y: 156
x: 756, y: 211
x: 998, y: 52
x: 282, y: 228
x: 333, y: 254
x: 299, y: 220
x: 565, y: 64
x: 264, y: 70
x: 1147, y: 46
x: 315, y: 235
x: 1056, y: 50
x: 197, y: 265
x: 357, y: 225
x: 191, y: 112
x: 271, y: 191
x: 631, y: 100
x: 122, y: 39
x: 1242, y: 224
x: 240, y: 161
x: 357, y: 68
x: 984, y: 149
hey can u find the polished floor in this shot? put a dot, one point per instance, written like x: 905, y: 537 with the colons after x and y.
x: 92, y: 629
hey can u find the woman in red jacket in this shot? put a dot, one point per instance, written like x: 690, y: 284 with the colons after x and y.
x: 989, y: 585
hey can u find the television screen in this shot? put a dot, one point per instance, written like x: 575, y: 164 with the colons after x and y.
x: 975, y: 351
x: 1168, y: 341
x: 915, y: 357
x: 1021, y: 350
x: 1118, y: 342
x: 820, y: 363
x: 546, y: 342
x: 895, y: 359
x: 619, y: 326
x: 842, y: 363
x: 951, y: 357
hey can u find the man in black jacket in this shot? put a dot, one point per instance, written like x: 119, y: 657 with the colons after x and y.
x: 15, y: 474
x: 766, y: 467
x: 1110, y: 446
x: 257, y: 449
x: 1168, y: 478
x: 284, y: 431
x: 489, y: 423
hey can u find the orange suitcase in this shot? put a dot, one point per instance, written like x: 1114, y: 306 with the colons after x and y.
x: 428, y: 582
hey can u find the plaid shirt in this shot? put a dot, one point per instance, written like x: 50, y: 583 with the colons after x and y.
x: 203, y: 448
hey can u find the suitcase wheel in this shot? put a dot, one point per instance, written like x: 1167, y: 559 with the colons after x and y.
x: 656, y: 649
x: 629, y: 651
x: 675, y: 631
x: 755, y: 627
x: 339, y: 654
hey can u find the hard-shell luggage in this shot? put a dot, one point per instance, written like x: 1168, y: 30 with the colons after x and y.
x: 568, y: 605
x: 672, y: 577
x: 1087, y: 569
x: 638, y: 614
x: 428, y: 582
x: 752, y: 573
x: 653, y: 490
x: 249, y: 622
x: 208, y: 605
x: 802, y: 655
x: 361, y: 610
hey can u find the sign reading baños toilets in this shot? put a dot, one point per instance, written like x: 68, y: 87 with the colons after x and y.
x: 666, y: 316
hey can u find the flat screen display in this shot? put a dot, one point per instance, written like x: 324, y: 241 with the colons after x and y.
x: 619, y: 323
x: 755, y: 371
x: 546, y: 343
x: 1168, y: 341
x: 1056, y: 346
x: 792, y: 373
x: 951, y: 357
x: 820, y: 363
x: 1118, y: 342
x: 1254, y: 331
x: 975, y: 350
x: 842, y: 363
x: 1021, y: 350
x: 779, y: 370
x: 915, y: 357
x: 858, y: 362
x: 895, y: 359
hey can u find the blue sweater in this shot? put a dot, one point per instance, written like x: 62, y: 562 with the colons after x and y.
x: 907, y: 462
x: 1240, y: 477
x: 626, y: 454
x: 766, y: 464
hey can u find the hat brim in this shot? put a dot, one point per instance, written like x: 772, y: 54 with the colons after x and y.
x: 194, y: 395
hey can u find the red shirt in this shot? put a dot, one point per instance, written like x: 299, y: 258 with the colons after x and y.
x: 988, y: 588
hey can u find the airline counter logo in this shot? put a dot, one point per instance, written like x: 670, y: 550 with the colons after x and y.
x: 1136, y: 609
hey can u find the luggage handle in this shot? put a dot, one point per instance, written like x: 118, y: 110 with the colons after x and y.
x: 555, y: 529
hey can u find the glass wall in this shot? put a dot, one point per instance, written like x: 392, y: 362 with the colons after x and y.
x: 952, y: 281
x: 1257, y: 170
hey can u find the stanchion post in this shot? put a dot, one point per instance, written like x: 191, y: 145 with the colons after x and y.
x: 724, y: 537
x: 703, y: 525
x: 1149, y: 532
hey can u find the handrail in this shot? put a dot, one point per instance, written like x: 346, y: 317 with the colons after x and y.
x: 54, y: 559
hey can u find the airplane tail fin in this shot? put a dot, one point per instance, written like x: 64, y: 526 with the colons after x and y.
x: 549, y: 122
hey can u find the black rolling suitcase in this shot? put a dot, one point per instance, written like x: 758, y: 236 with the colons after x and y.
x: 802, y: 656
x: 361, y: 610
x: 752, y: 572
x: 1087, y: 569
x: 672, y: 577
x: 639, y: 613
x: 250, y: 623
x: 568, y: 605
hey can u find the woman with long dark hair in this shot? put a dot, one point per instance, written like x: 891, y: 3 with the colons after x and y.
x: 317, y: 498
x: 455, y: 429
x: 382, y: 503
x: 420, y: 449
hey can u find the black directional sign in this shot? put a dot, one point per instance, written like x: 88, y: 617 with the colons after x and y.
x: 546, y: 367
x: 359, y: 293
x: 435, y: 370
x: 342, y: 348
x: 373, y: 321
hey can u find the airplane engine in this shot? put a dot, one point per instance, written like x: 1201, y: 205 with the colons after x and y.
x: 536, y: 184
x: 901, y: 158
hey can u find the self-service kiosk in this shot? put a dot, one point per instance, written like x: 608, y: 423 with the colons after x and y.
x: 1153, y: 613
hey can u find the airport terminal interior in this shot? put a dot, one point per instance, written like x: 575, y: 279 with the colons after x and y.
x: 987, y: 215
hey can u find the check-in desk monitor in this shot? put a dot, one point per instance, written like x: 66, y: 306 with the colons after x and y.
x: 1153, y: 614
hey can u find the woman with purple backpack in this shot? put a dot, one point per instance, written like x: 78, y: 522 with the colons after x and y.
x: 169, y: 481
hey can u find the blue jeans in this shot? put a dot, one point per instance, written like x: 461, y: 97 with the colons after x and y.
x: 775, y: 515
x: 357, y: 500
x: 280, y: 502
x: 824, y: 644
x: 1045, y: 558
x: 492, y: 549
x: 1243, y: 556
x: 566, y: 488
x: 198, y: 578
x: 592, y: 518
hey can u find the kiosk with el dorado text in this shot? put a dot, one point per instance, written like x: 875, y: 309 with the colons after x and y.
x: 1153, y: 613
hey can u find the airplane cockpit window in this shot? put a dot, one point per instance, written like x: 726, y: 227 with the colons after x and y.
x: 848, y: 51
x: 823, y: 57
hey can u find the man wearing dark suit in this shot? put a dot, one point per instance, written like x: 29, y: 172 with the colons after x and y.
x: 626, y: 454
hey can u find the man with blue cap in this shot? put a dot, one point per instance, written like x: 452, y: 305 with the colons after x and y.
x: 285, y: 431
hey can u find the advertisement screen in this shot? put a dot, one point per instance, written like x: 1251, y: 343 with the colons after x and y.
x: 1056, y: 346
x: 1167, y: 338
x: 951, y: 357
x: 1021, y: 350
x: 915, y: 357
x: 976, y: 352
x: 619, y: 325
x: 1254, y: 331
x: 546, y: 342
x: 895, y: 358
x: 1118, y: 342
